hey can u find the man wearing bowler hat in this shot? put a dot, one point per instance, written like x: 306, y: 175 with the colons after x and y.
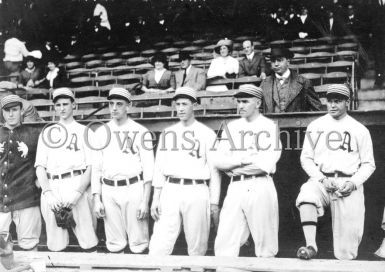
x: 285, y: 90
x: 189, y: 75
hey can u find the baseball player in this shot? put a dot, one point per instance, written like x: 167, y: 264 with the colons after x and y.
x: 248, y: 152
x: 122, y: 175
x: 381, y: 251
x: 19, y: 196
x: 337, y: 155
x: 186, y: 184
x: 63, y: 168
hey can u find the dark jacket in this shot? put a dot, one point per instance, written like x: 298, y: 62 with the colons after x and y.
x: 17, y: 172
x: 254, y: 67
x: 302, y: 96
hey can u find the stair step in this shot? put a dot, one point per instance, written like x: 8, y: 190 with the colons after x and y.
x: 371, y: 95
x: 367, y: 105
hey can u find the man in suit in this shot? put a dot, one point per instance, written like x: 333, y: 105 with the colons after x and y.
x: 331, y: 25
x: 189, y: 75
x: 304, y: 27
x: 253, y: 64
x: 286, y: 91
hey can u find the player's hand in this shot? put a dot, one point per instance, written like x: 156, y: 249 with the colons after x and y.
x: 53, y: 203
x: 156, y: 210
x: 143, y: 210
x: 214, y: 211
x: 99, y: 208
x: 72, y: 200
x: 347, y: 188
x: 330, y: 185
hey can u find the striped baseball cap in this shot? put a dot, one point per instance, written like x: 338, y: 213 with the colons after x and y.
x: 185, y: 92
x: 62, y: 93
x: 339, y: 89
x: 119, y: 93
x: 249, y: 90
x: 10, y: 100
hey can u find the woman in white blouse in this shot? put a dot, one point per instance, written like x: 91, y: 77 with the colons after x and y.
x: 55, y: 77
x: 223, y: 66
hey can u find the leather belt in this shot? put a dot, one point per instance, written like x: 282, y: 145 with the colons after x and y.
x: 122, y: 182
x: 183, y: 181
x: 337, y: 174
x: 67, y: 174
x: 246, y: 177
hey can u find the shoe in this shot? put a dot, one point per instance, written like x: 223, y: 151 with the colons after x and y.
x: 381, y: 251
x: 306, y: 253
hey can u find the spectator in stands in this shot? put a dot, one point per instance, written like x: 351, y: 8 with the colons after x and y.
x: 304, y: 27
x: 55, y: 77
x: 159, y: 80
x: 189, y: 75
x: 14, y: 50
x: 253, y: 64
x: 286, y: 91
x: 330, y: 24
x: 352, y: 23
x: 101, y: 17
x: 224, y: 66
x: 29, y: 113
x: 31, y: 73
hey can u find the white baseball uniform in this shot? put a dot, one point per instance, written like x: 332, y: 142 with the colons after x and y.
x: 69, y: 156
x: 342, y: 148
x: 183, y: 171
x: 251, y: 204
x: 120, y: 171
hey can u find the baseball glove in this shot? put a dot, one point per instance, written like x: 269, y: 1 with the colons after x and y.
x: 64, y: 218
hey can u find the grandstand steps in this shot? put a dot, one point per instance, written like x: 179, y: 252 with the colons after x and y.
x: 66, y: 261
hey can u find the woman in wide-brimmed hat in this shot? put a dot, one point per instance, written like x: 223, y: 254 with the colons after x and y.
x: 223, y: 66
x: 159, y: 80
x: 55, y: 77
x: 31, y: 74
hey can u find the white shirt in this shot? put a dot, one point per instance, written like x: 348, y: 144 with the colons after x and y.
x: 158, y: 74
x: 326, y: 149
x: 51, y: 75
x: 251, y: 56
x: 303, y: 18
x: 222, y: 65
x: 284, y: 76
x: 331, y: 21
x: 260, y: 140
x: 60, y: 152
x: 102, y: 12
x: 128, y: 153
x: 14, y: 50
x: 184, y: 152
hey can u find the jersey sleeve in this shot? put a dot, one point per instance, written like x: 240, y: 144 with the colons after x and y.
x: 146, y: 155
x: 159, y: 178
x: 41, y: 152
x: 367, y: 167
x: 215, y: 177
x: 97, y: 163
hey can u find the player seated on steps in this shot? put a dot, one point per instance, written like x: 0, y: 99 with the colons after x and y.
x: 337, y: 155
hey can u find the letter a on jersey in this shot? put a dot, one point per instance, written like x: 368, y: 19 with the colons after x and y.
x: 73, y: 145
x: 346, y: 142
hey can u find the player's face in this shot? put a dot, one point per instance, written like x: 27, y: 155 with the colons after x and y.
x: 184, y: 109
x: 118, y: 109
x: 185, y: 63
x: 248, y: 107
x: 64, y: 108
x: 280, y: 65
x: 12, y: 116
x: 224, y: 51
x: 248, y: 47
x: 337, y: 107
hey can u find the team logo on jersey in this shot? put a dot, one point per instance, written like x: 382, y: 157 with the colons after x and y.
x: 23, y: 148
x: 346, y: 143
x: 73, y: 144
x: 128, y: 146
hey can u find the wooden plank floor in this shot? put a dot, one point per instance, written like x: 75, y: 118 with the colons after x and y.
x: 66, y: 261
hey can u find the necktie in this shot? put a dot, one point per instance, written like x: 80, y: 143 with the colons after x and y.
x: 184, y: 76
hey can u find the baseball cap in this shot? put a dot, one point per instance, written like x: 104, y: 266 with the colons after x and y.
x: 62, y: 93
x: 185, y: 92
x: 249, y: 90
x: 338, y: 90
x: 10, y: 100
x: 119, y: 93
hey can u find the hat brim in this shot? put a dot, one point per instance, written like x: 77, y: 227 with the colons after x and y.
x: 338, y: 96
x: 12, y: 104
x: 193, y: 99
x: 116, y: 96
x: 63, y: 96
x: 244, y: 95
